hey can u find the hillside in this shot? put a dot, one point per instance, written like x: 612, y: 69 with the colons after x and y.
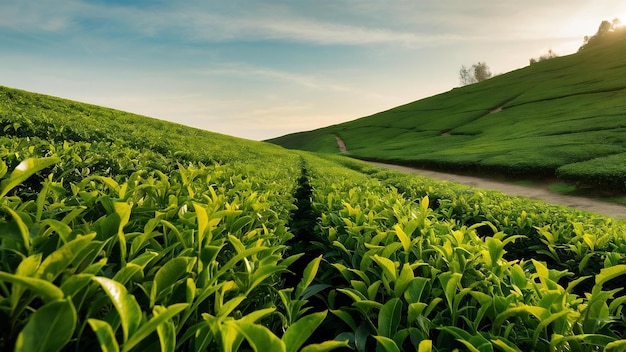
x: 120, y: 232
x: 565, y: 117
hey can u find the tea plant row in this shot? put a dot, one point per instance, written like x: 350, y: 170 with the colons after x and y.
x: 123, y: 233
x: 450, y: 267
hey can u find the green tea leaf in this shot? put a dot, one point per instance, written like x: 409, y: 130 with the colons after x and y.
x: 389, y: 317
x: 297, y: 334
x: 308, y: 275
x: 42, y: 288
x: 616, y: 346
x: 425, y: 346
x: 167, y: 275
x: 345, y: 317
x: 59, y: 260
x: 449, y: 282
x: 49, y: 328
x: 3, y: 169
x: 535, y: 311
x: 387, y: 265
x: 125, y: 304
x: 256, y: 315
x: 22, y: 236
x: 387, y: 344
x: 547, y: 321
x: 203, y: 222
x: 75, y: 283
x: 260, y: 338
x: 123, y: 210
x: 23, y: 171
x: 404, y: 279
x: 505, y: 346
x: 403, y: 237
x: 607, y: 274
x: 229, y: 306
x: 105, y: 335
x: 324, y: 346
x: 147, y: 328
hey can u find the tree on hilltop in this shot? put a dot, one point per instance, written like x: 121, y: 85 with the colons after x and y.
x: 605, y: 29
x: 477, y: 73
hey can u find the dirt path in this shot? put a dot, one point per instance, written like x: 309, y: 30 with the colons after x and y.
x: 342, y: 145
x: 614, y: 210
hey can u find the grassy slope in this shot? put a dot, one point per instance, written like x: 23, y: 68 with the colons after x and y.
x: 564, y: 116
x: 360, y: 211
x: 57, y: 120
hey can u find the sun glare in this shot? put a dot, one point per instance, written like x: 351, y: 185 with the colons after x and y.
x: 575, y: 30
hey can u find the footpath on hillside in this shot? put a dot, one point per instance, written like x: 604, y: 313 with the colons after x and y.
x: 617, y: 211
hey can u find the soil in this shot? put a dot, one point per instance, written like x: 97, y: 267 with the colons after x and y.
x: 342, y: 145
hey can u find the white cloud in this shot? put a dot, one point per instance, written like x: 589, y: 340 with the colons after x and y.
x: 31, y: 16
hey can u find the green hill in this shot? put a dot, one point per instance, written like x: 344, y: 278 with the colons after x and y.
x: 565, y: 116
x: 124, y: 233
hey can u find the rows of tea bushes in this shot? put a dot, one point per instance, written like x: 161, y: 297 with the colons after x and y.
x: 192, y: 260
x: 122, y: 233
x: 119, y: 232
x: 420, y: 264
x: 578, y: 241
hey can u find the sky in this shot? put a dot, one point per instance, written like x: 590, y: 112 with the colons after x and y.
x: 262, y: 69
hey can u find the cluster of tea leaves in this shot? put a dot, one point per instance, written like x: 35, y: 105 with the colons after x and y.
x: 420, y: 264
x: 120, y: 232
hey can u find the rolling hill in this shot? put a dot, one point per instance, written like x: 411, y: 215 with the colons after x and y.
x: 120, y: 232
x: 562, y: 117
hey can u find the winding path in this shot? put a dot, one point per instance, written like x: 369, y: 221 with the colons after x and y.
x: 614, y: 210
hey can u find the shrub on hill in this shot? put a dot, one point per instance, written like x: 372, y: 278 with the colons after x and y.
x: 549, y: 55
x: 605, y: 30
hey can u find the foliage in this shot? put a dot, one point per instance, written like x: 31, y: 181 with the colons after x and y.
x: 108, y: 244
x: 549, y: 55
x: 475, y: 74
x: 605, y: 29
x: 531, y: 122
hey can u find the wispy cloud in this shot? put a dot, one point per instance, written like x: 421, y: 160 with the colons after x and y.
x: 201, y: 21
x: 316, y: 82
x: 30, y: 16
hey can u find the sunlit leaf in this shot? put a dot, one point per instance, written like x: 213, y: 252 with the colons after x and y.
x: 387, y: 344
x: 105, y: 335
x: 297, y: 334
x: 308, y: 275
x: 42, y: 288
x: 167, y: 275
x: 23, y: 171
x: 151, y: 325
x: 607, y: 274
x: 49, y: 328
x: 324, y: 346
x: 260, y: 338
x: 125, y: 304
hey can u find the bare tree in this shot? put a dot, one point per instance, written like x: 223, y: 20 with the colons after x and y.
x: 477, y: 73
x: 465, y: 76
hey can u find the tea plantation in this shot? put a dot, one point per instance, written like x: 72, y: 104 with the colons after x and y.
x: 564, y: 117
x: 124, y: 233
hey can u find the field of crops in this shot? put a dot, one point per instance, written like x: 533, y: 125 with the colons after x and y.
x: 123, y: 233
x: 561, y: 117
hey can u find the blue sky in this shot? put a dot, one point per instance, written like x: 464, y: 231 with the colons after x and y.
x: 261, y: 69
